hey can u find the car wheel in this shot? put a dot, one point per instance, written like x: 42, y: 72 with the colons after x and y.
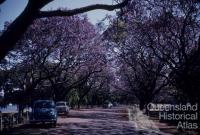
x: 43, y: 123
x: 32, y: 123
x: 54, y: 124
x: 66, y: 113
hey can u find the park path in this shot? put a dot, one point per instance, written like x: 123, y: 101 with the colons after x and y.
x: 97, y: 121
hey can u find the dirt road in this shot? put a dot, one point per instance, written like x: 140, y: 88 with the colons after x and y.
x: 97, y: 121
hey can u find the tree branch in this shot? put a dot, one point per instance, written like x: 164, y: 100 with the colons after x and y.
x: 2, y: 1
x: 14, y: 32
x: 81, y: 10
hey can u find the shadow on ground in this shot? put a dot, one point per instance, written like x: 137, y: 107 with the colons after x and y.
x: 87, y: 122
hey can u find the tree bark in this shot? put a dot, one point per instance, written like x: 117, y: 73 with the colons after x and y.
x: 15, y: 31
x: 2, y: 1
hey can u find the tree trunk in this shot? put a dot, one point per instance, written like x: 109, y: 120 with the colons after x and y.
x: 16, y: 29
x: 142, y: 104
x: 79, y: 103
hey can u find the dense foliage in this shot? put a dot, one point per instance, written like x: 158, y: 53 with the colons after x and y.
x: 148, y: 49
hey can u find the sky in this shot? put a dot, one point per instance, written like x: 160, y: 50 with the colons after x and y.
x: 10, y: 9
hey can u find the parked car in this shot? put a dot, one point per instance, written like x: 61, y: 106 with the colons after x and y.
x: 62, y: 107
x: 107, y: 104
x: 44, y: 111
x: 115, y: 104
x: 110, y: 105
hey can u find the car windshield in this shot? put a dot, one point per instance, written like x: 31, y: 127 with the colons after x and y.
x: 44, y: 104
x: 60, y: 104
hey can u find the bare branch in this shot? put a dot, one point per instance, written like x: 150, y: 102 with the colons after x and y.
x: 81, y: 10
x: 2, y: 1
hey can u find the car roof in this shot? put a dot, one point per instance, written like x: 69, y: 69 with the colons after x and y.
x: 61, y: 102
x: 43, y: 101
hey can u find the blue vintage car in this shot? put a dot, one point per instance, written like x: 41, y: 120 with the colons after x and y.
x: 44, y: 111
